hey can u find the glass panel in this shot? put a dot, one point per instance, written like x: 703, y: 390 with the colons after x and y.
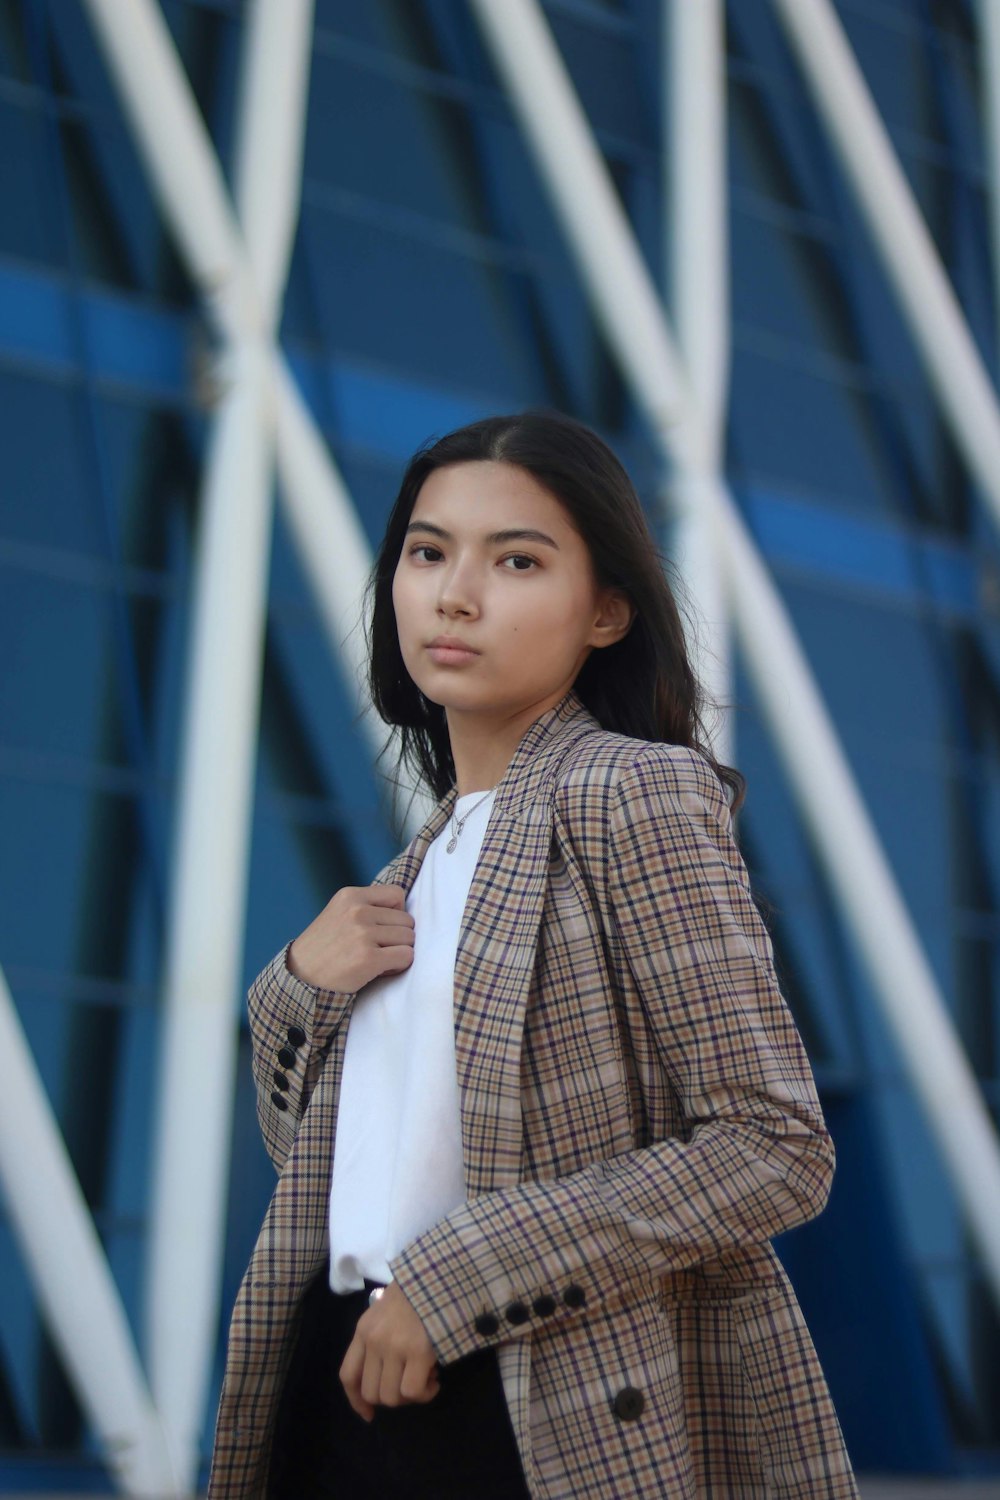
x: 440, y: 315
x: 32, y: 233
x: 792, y: 427
x: 67, y: 858
x: 382, y: 24
x: 14, y: 62
x: 788, y: 283
x: 59, y: 686
x: 152, y: 463
x: 358, y: 118
x: 49, y: 497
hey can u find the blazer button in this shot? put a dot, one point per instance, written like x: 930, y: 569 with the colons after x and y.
x: 517, y: 1313
x: 544, y: 1306
x: 287, y: 1057
x: 279, y: 1101
x: 281, y: 1080
x: 487, y: 1324
x: 296, y: 1036
x: 628, y: 1404
x: 574, y: 1296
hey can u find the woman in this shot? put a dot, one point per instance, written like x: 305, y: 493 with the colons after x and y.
x: 535, y: 1100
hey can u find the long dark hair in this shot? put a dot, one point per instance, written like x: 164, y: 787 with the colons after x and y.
x: 642, y: 685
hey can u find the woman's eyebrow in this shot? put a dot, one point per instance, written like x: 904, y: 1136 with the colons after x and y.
x: 513, y: 534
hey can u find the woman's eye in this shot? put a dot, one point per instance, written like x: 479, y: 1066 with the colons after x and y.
x: 422, y: 547
x: 520, y: 557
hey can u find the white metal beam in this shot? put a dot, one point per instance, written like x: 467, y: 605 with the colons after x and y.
x: 988, y: 19
x: 69, y: 1270
x: 270, y: 142
x: 206, y: 913
x: 696, y: 240
x: 624, y: 299
x: 205, y: 919
x: 902, y: 239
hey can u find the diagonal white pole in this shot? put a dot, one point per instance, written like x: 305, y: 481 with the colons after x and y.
x: 624, y: 299
x: 70, y: 1272
x: 697, y: 275
x: 988, y: 57
x: 901, y: 236
x: 204, y: 939
x: 205, y: 933
x: 187, y: 180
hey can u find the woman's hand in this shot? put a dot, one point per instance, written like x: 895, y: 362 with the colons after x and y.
x: 390, y: 1360
x: 362, y: 932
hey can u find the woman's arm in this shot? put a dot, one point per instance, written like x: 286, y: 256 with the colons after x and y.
x: 292, y: 1026
x: 363, y: 931
x: 759, y: 1158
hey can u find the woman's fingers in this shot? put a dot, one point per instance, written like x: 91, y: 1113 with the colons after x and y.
x: 371, y: 1381
x: 419, y: 1387
x: 396, y: 959
x: 351, y: 1372
x: 370, y: 1385
x: 390, y: 1378
x: 390, y: 1361
x: 342, y: 947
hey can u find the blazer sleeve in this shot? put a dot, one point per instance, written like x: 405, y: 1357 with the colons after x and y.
x: 292, y: 1027
x: 758, y: 1159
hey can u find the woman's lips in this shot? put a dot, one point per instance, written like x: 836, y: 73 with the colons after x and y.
x: 451, y: 655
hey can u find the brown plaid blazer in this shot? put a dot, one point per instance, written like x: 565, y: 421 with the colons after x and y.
x: 639, y: 1118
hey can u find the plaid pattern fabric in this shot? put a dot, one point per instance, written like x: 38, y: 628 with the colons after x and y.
x: 639, y: 1119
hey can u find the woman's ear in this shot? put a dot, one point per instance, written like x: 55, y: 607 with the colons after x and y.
x: 614, y: 620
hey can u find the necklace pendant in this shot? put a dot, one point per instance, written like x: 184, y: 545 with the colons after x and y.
x: 451, y: 843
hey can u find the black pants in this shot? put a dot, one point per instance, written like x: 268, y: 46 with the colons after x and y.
x: 458, y: 1446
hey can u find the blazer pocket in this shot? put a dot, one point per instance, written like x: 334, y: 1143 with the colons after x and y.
x: 802, y: 1445
x: 719, y: 1401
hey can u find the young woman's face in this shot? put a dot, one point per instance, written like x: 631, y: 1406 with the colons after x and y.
x: 528, y: 606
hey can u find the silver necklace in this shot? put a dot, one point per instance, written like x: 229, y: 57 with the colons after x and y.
x: 456, y: 831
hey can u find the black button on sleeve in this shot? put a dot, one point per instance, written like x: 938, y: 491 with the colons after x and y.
x: 286, y: 1057
x: 516, y: 1312
x: 296, y: 1036
x: 279, y: 1101
x: 628, y: 1404
x: 487, y: 1324
x: 544, y: 1306
x: 574, y: 1296
x: 281, y: 1081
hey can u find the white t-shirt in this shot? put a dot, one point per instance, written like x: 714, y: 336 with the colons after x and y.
x: 397, y: 1165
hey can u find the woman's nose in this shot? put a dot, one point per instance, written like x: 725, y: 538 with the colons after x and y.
x: 457, y: 592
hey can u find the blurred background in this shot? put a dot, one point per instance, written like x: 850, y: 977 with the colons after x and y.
x: 252, y: 255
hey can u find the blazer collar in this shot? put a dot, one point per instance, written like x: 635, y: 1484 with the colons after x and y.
x: 527, y: 779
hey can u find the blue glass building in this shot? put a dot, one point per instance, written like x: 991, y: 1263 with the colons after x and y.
x: 431, y: 284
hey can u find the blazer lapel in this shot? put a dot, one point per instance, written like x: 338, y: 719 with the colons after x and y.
x: 495, y: 958
x: 497, y: 945
x: 494, y: 963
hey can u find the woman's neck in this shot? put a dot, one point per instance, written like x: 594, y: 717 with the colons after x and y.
x: 482, y: 746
